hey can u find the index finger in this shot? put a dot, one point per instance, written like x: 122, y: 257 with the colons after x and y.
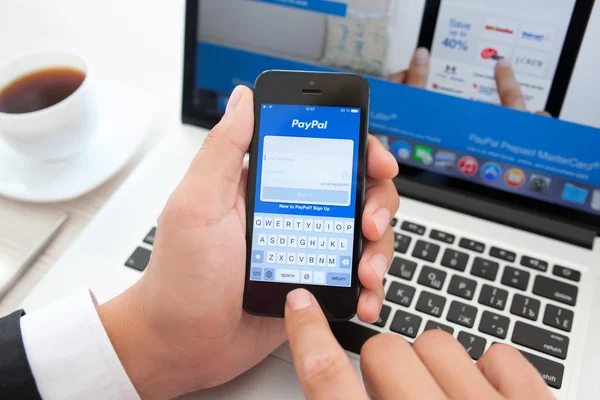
x: 509, y: 89
x: 324, y: 370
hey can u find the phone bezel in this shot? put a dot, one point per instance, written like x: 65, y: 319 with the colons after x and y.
x: 267, y: 299
x: 568, y: 55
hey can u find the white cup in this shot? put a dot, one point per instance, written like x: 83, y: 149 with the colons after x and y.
x: 57, y: 132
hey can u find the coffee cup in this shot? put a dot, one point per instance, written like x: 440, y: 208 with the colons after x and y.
x: 55, y: 120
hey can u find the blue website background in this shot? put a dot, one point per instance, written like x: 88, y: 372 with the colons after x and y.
x: 277, y: 121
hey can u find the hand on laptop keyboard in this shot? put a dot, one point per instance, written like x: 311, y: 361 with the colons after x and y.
x: 435, y: 367
x: 192, y: 326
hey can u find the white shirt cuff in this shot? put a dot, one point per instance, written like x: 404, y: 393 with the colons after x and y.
x: 70, y: 354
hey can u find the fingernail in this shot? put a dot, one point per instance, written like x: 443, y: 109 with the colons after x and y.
x: 374, y: 302
x: 421, y: 56
x: 298, y: 299
x: 234, y: 99
x: 381, y: 218
x: 392, y: 158
x: 380, y: 265
x: 503, y: 63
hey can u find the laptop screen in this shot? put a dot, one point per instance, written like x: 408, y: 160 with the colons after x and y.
x: 498, y: 94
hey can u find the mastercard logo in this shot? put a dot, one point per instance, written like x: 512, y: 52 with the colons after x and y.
x: 489, y: 53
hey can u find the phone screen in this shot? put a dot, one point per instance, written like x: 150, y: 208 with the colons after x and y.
x: 306, y: 194
x: 472, y: 35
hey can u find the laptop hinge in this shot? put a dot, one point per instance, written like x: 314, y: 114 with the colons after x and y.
x: 497, y: 212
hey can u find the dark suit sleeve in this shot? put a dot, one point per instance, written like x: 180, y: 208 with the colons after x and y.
x: 16, y: 379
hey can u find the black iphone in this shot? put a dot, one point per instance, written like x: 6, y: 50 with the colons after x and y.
x: 306, y: 188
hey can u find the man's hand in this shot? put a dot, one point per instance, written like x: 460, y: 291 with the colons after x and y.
x: 418, y: 71
x: 509, y: 90
x: 435, y: 367
x: 181, y: 328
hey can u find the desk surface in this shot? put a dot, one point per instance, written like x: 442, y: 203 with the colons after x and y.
x: 147, y: 54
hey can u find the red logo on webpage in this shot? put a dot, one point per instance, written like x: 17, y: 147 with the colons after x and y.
x: 468, y: 166
x: 489, y: 53
x: 498, y: 29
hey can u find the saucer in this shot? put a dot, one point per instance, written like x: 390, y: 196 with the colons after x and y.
x: 125, y: 119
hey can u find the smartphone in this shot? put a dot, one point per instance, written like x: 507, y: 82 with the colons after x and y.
x: 540, y: 39
x: 306, y: 188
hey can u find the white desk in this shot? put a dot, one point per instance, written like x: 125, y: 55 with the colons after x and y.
x: 138, y: 43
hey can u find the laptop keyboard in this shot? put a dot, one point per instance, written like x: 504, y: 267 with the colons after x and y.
x: 481, y: 294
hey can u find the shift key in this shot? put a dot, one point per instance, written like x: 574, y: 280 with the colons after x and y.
x: 551, y: 371
x: 541, y: 340
x: 555, y: 290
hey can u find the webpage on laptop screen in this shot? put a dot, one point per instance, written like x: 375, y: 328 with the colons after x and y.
x: 485, y: 101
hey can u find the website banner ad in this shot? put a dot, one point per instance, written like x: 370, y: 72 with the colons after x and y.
x: 466, y: 40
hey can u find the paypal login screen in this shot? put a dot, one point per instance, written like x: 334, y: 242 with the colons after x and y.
x: 305, y: 198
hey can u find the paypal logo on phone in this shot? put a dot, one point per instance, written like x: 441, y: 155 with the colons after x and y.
x: 309, y: 124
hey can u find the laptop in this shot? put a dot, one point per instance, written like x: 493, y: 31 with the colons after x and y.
x: 497, y: 237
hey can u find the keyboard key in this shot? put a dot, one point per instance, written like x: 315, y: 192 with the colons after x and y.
x: 413, y: 228
x: 401, y: 242
x: 431, y: 277
x: 525, y: 307
x: 551, y: 371
x: 139, y: 259
x: 431, y: 304
x: 149, y: 239
x: 485, y: 269
x: 402, y: 268
x: 493, y: 297
x: 383, y: 316
x: 406, y: 324
x: 567, y: 273
x: 559, y: 318
x: 462, y: 287
x: 534, y: 263
x: 352, y: 336
x: 503, y: 254
x: 515, y: 278
x: 555, y: 290
x: 442, y: 236
x: 394, y: 222
x: 472, y: 245
x: 474, y: 345
x: 455, y: 259
x: 541, y: 340
x: 400, y: 294
x: 426, y: 251
x: 432, y: 325
x: 494, y: 324
x: 462, y: 314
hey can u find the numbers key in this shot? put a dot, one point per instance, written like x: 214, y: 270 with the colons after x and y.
x: 149, y: 239
x: 402, y: 268
x: 472, y: 245
x: 442, y: 236
x: 462, y: 314
x: 139, y: 259
x: 567, y: 273
x: 401, y: 242
x: 413, y: 228
x: 431, y: 304
x: 462, y: 287
x: 494, y: 324
x: 555, y: 290
x: 502, y: 254
x: 431, y: 277
x: 493, y: 297
x: 406, y: 324
x: 515, y: 278
x: 525, y: 307
x: 485, y: 269
x: 383, y: 316
x: 455, y: 259
x: 558, y: 318
x: 400, y: 294
x: 432, y: 326
x: 474, y: 345
x: 534, y: 263
x: 426, y: 251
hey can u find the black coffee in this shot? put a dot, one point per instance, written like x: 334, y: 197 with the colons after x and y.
x: 40, y: 89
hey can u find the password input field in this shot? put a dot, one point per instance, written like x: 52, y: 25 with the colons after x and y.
x: 316, y: 196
